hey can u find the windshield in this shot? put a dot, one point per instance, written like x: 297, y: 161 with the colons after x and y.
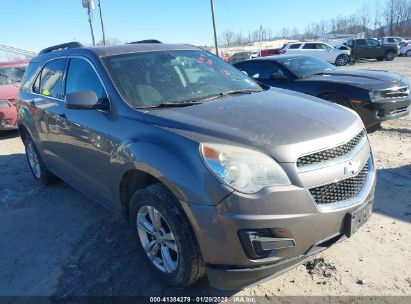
x: 305, y: 65
x: 11, y: 75
x: 156, y: 78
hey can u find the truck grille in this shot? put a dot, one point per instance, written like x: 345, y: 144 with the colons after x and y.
x: 340, y: 191
x: 395, y: 93
x: 332, y: 153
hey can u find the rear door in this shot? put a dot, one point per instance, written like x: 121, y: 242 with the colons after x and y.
x: 374, y: 49
x: 48, y: 105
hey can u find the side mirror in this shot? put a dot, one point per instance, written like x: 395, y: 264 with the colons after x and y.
x: 279, y: 77
x: 85, y: 100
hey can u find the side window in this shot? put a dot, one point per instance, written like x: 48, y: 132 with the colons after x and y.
x: 372, y: 42
x: 50, y: 80
x: 350, y: 43
x: 295, y: 46
x: 261, y: 70
x: 29, y: 75
x: 82, y: 77
x: 322, y: 46
x: 390, y: 40
x: 360, y: 42
x: 310, y: 46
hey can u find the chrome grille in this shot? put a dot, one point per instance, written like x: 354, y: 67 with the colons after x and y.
x: 340, y: 191
x: 397, y: 111
x: 395, y: 93
x: 332, y: 153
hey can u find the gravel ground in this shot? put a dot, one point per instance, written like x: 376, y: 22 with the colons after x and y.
x: 54, y: 241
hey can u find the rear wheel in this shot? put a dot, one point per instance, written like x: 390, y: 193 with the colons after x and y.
x: 165, y: 236
x: 37, y: 167
x: 389, y: 56
x: 342, y: 60
x: 408, y: 53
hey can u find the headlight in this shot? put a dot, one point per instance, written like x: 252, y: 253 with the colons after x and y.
x: 245, y: 170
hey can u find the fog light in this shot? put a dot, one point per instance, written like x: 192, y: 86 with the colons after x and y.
x: 5, y: 122
x: 381, y: 113
x: 357, y: 102
x: 261, y: 243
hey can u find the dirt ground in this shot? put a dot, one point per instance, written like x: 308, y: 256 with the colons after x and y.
x: 54, y: 241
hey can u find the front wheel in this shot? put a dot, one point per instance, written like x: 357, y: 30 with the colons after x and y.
x: 389, y: 56
x: 342, y: 60
x: 37, y: 167
x: 165, y: 236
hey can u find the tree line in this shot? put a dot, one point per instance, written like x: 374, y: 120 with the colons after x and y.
x: 375, y: 18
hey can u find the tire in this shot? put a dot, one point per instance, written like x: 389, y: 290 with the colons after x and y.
x: 175, y: 255
x: 380, y: 58
x: 408, y: 53
x: 374, y: 128
x: 342, y: 60
x: 335, y: 98
x: 36, y: 164
x: 389, y: 56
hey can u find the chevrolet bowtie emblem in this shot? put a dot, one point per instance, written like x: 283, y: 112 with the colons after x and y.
x: 352, y: 167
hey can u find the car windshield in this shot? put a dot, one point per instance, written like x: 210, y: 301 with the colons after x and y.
x: 11, y: 75
x: 152, y: 79
x: 304, y: 66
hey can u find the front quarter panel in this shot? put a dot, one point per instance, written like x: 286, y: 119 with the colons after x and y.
x: 171, y: 158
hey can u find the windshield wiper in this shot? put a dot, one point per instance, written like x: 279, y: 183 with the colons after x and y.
x: 241, y: 91
x: 171, y: 105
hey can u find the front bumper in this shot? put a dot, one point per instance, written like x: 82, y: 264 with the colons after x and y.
x: 375, y: 112
x: 289, y: 213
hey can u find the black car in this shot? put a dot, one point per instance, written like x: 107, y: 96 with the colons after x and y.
x: 374, y: 95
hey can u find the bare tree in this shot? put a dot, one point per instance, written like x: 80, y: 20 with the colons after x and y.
x: 239, y: 38
x: 377, y: 17
x: 364, y: 17
x: 227, y: 37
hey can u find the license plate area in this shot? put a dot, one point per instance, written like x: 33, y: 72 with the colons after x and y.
x: 355, y: 219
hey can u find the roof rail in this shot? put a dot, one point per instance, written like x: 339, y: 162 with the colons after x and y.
x: 145, y: 41
x: 60, y: 47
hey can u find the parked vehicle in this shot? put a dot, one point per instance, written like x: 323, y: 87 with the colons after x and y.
x: 406, y: 49
x: 236, y: 57
x: 372, y: 49
x: 391, y: 40
x: 270, y: 52
x: 319, y: 50
x: 215, y: 174
x: 10, y: 77
x: 375, y: 95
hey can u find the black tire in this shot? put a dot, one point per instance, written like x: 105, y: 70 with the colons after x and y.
x: 389, y: 56
x: 342, y: 60
x: 380, y: 58
x: 374, y: 128
x: 42, y: 174
x: 335, y: 98
x: 190, y: 264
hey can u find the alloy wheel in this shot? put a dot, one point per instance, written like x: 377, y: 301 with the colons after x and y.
x: 342, y: 60
x: 33, y: 160
x: 157, y: 239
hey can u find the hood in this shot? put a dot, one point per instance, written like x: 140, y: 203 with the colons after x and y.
x: 281, y: 123
x: 361, y: 78
x: 9, y: 91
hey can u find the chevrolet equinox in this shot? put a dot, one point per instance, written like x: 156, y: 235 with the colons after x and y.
x: 217, y: 175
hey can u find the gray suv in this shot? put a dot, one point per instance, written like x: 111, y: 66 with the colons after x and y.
x: 216, y: 174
